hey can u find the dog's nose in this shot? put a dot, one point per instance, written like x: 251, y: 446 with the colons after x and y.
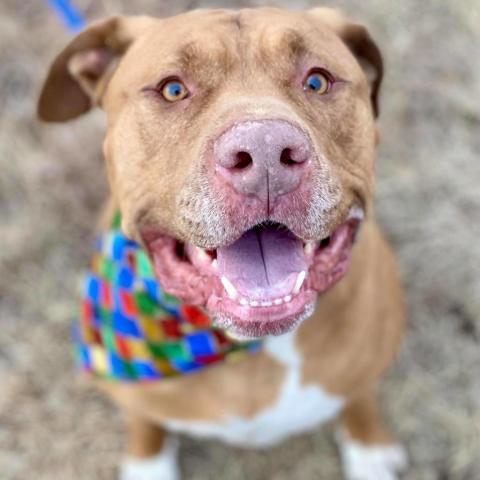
x: 266, y: 158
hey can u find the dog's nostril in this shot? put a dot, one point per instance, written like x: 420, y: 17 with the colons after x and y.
x: 243, y: 160
x: 286, y: 158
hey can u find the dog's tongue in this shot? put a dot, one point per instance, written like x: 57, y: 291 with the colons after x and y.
x: 263, y: 263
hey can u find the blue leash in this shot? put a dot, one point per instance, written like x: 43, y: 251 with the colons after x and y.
x: 71, y: 16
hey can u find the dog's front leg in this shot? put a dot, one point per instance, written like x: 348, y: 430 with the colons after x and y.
x: 368, y: 451
x: 151, y: 452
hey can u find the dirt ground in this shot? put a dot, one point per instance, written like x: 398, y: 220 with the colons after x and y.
x: 54, y: 428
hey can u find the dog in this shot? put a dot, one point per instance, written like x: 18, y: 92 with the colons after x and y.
x: 240, y: 151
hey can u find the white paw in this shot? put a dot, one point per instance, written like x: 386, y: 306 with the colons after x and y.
x: 163, y: 466
x: 371, y: 462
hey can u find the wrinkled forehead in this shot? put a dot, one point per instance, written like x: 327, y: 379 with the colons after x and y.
x: 201, y: 43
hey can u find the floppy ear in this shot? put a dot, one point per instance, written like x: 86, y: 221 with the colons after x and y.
x: 361, y: 44
x: 78, y: 76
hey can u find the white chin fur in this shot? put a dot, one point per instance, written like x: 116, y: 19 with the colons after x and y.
x: 163, y: 466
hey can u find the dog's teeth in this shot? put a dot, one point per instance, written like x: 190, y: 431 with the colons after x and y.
x: 287, y: 299
x: 299, y: 282
x: 229, y: 288
x: 266, y: 304
x: 356, y: 213
x: 309, y: 248
x: 278, y: 301
x: 254, y: 303
x: 215, y: 264
x: 203, y: 256
x: 243, y: 301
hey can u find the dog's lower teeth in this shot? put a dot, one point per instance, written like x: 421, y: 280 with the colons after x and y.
x: 229, y: 288
x: 265, y: 303
x: 309, y: 248
x: 232, y: 293
x: 299, y: 282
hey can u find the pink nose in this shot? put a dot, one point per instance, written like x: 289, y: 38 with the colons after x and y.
x: 264, y: 158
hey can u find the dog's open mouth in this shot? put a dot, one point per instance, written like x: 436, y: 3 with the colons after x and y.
x: 264, y: 283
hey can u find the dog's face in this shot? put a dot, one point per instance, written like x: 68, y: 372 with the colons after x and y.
x: 240, y: 150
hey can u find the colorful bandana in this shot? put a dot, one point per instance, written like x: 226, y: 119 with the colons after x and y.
x: 131, y: 330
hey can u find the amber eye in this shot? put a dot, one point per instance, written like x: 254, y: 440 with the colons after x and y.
x: 174, y: 90
x: 317, y: 82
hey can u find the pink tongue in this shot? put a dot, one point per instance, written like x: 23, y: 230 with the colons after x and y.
x: 263, y: 263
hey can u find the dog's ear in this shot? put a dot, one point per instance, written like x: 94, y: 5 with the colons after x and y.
x: 358, y: 40
x: 78, y: 76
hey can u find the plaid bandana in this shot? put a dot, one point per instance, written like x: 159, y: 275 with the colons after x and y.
x: 131, y: 330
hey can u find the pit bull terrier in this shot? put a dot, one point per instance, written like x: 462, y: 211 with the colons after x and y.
x: 240, y: 151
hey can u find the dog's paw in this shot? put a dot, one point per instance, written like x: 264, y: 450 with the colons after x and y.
x: 163, y: 466
x: 371, y: 462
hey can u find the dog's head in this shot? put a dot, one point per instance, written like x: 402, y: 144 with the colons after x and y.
x: 240, y: 150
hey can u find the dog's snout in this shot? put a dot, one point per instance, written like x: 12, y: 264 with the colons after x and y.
x: 263, y: 158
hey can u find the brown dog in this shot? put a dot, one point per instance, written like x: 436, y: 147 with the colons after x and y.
x: 246, y: 141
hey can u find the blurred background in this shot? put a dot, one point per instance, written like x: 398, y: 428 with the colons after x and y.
x: 52, y: 185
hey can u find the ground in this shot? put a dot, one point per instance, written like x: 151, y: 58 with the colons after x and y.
x: 53, y: 427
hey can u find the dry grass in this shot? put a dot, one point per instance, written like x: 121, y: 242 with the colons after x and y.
x: 429, y: 203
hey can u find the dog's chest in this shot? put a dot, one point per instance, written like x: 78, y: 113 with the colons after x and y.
x: 297, y: 409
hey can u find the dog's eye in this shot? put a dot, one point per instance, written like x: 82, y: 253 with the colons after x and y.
x: 174, y: 90
x: 317, y: 82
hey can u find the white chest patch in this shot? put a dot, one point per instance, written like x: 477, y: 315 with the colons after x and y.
x: 299, y: 408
